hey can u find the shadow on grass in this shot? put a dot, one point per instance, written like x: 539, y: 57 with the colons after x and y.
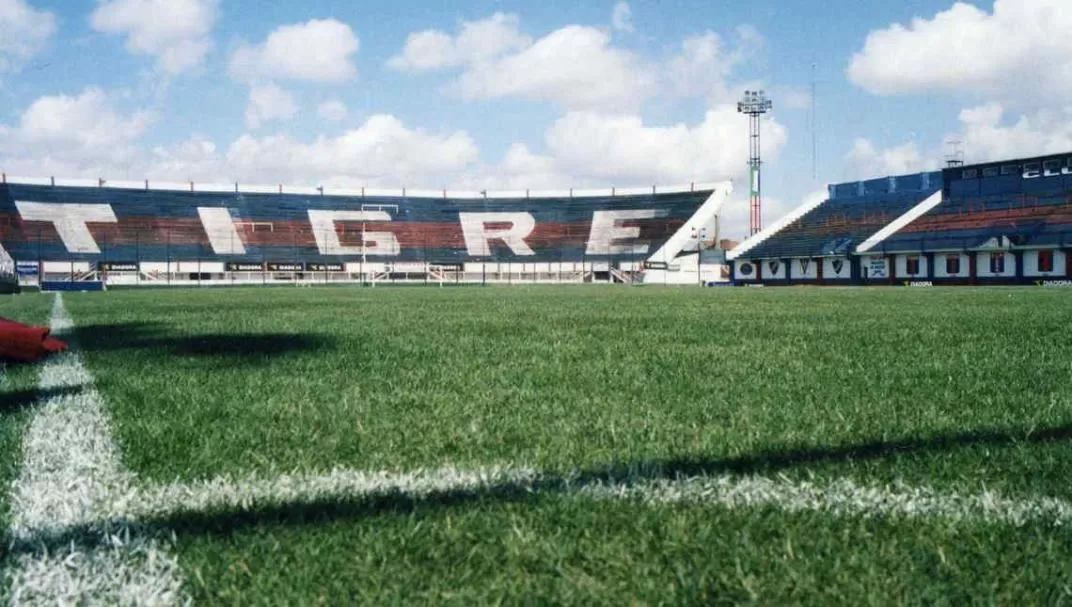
x: 225, y: 521
x: 774, y: 460
x: 18, y: 400
x: 155, y: 339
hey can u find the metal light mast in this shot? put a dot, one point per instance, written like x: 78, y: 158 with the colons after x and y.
x: 754, y: 104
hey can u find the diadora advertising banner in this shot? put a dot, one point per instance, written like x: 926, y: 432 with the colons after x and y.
x: 45, y: 222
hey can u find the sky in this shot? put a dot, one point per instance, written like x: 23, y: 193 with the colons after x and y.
x: 478, y: 94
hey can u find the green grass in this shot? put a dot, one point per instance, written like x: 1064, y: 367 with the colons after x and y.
x: 18, y: 392
x: 958, y: 386
x: 956, y: 389
x: 562, y: 551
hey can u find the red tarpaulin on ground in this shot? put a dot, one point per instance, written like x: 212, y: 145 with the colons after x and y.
x: 22, y: 343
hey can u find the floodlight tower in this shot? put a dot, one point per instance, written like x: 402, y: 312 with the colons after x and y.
x: 754, y: 104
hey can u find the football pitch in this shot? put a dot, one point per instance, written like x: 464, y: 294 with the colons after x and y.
x: 568, y: 445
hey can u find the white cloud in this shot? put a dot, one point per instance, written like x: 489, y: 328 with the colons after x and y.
x: 477, y: 41
x: 865, y: 161
x: 382, y: 151
x: 794, y: 99
x: 333, y: 110
x: 269, y: 102
x: 24, y: 32
x: 195, y: 159
x: 1019, y: 52
x: 622, y: 149
x: 68, y: 135
x: 622, y: 17
x: 176, y: 32
x: 88, y: 121
x: 592, y: 149
x: 575, y: 66
x: 700, y: 67
x: 704, y: 64
x: 986, y: 135
x: 319, y: 50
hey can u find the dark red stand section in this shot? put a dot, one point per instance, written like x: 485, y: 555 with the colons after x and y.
x: 22, y: 343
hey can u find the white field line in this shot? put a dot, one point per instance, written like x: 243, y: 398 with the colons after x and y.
x: 840, y: 497
x: 71, y: 476
x: 341, y: 484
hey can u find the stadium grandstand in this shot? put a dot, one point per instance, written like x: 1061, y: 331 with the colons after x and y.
x: 88, y: 235
x: 1006, y: 222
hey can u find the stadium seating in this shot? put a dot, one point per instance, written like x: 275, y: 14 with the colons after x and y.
x: 158, y: 225
x: 1038, y: 219
x: 837, y: 225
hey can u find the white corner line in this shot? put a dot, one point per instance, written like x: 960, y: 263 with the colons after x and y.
x: 71, y: 476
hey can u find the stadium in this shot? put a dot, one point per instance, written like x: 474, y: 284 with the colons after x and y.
x: 1007, y: 222
x: 219, y: 391
x: 559, y: 434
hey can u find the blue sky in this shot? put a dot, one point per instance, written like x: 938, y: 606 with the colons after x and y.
x: 474, y: 93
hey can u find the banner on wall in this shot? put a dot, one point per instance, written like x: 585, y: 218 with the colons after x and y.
x: 839, y: 267
x: 878, y: 267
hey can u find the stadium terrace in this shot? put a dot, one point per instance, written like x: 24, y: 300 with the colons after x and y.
x: 146, y: 234
x: 1007, y: 222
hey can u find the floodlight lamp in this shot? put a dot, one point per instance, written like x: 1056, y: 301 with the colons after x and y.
x: 754, y: 102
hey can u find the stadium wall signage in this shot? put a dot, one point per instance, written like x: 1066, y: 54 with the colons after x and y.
x: 325, y: 267
x: 244, y: 267
x: 90, y: 223
x: 285, y: 266
x: 113, y: 266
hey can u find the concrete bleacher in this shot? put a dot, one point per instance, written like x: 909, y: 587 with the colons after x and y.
x: 964, y: 220
x: 837, y: 225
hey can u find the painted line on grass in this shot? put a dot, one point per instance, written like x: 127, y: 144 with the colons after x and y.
x: 839, y: 497
x: 72, y: 477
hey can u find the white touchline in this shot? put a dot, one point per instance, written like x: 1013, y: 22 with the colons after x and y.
x: 71, y: 476
x: 839, y: 497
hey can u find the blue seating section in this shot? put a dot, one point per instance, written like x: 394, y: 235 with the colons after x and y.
x: 836, y: 226
x: 1039, y: 217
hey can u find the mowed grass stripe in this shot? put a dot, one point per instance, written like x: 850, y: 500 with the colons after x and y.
x: 71, y: 476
